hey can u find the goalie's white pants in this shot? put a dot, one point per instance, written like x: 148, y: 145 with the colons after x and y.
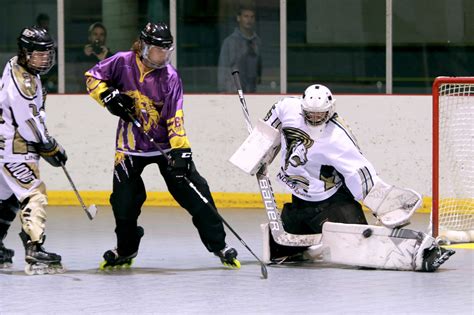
x: 365, y: 246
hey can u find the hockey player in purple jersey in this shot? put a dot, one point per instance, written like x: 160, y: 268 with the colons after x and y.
x: 143, y: 82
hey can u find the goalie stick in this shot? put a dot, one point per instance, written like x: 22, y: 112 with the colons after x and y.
x: 263, y: 268
x: 276, y: 226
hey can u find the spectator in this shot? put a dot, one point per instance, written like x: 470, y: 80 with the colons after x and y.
x: 94, y: 50
x: 241, y: 50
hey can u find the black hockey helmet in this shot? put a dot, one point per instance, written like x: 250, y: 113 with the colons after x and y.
x: 157, y: 35
x: 36, y: 39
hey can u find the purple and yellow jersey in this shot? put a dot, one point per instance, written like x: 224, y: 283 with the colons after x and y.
x: 158, y: 96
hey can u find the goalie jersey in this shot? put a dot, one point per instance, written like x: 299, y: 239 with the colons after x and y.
x: 315, y: 163
x: 21, y: 114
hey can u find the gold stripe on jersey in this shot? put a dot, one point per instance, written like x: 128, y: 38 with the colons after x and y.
x: 176, y: 132
x: 119, y: 158
x: 130, y: 137
x: 19, y: 145
x: 95, y: 87
x: 141, y: 68
x: 338, y: 121
x: 366, y: 180
x: 24, y: 81
x: 34, y: 129
x: 120, y: 137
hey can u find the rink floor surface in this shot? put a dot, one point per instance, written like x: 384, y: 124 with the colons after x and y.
x: 174, y: 274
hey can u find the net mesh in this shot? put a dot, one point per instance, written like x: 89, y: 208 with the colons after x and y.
x: 456, y: 157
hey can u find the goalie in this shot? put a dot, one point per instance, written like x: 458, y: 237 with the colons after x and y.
x: 326, y: 173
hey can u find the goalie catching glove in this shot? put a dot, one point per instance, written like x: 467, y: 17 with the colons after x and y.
x: 52, y: 152
x: 179, y: 163
x: 118, y: 104
x: 392, y: 205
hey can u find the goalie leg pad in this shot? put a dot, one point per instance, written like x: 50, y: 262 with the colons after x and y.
x: 274, y: 253
x: 378, y: 247
x: 258, y: 149
x: 392, y: 205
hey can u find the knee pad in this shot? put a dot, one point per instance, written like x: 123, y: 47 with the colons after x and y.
x: 33, y: 214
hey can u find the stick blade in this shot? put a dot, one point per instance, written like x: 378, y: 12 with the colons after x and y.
x: 91, y: 211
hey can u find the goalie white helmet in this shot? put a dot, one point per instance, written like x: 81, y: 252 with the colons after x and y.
x: 318, y: 105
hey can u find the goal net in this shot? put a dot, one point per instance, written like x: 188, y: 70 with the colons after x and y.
x: 453, y: 158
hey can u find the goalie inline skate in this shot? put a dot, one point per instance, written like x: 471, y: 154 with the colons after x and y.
x: 435, y: 256
x: 6, y: 256
x: 39, y: 261
x: 228, y: 257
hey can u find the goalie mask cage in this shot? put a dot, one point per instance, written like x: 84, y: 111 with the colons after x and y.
x: 453, y: 159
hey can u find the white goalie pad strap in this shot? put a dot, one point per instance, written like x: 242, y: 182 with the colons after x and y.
x: 392, y: 205
x: 374, y: 246
x: 258, y: 149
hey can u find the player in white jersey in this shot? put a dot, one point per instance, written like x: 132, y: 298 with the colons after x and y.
x: 23, y: 139
x: 324, y: 169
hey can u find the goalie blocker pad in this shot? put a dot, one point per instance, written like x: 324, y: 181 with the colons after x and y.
x: 392, y: 205
x: 258, y: 149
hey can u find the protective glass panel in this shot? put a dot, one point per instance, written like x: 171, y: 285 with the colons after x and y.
x: 14, y: 16
x: 337, y: 43
x: 215, y: 37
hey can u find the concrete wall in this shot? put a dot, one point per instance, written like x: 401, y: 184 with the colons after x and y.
x: 394, y: 132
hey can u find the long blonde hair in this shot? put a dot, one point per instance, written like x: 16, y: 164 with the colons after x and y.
x: 136, y: 46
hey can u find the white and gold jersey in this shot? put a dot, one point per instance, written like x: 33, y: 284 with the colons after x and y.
x: 21, y: 125
x: 316, y: 162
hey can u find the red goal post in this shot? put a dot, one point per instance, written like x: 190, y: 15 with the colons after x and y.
x: 453, y: 158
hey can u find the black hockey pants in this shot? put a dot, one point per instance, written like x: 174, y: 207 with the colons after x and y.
x: 129, y: 195
x: 307, y: 217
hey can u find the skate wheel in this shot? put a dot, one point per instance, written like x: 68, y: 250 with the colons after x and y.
x: 235, y: 264
x: 5, y: 265
x: 59, y: 269
x: 102, y: 265
x: 29, y: 270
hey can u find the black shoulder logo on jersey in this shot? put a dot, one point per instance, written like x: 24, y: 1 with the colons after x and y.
x: 297, y: 144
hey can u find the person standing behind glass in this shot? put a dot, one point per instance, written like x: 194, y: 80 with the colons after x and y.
x: 241, y: 50
x: 96, y: 50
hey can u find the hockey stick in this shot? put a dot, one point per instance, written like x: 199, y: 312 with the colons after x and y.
x: 91, y: 211
x: 263, y: 268
x: 276, y: 227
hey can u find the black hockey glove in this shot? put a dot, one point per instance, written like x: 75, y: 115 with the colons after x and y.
x: 180, y: 163
x: 118, y: 104
x: 52, y: 152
